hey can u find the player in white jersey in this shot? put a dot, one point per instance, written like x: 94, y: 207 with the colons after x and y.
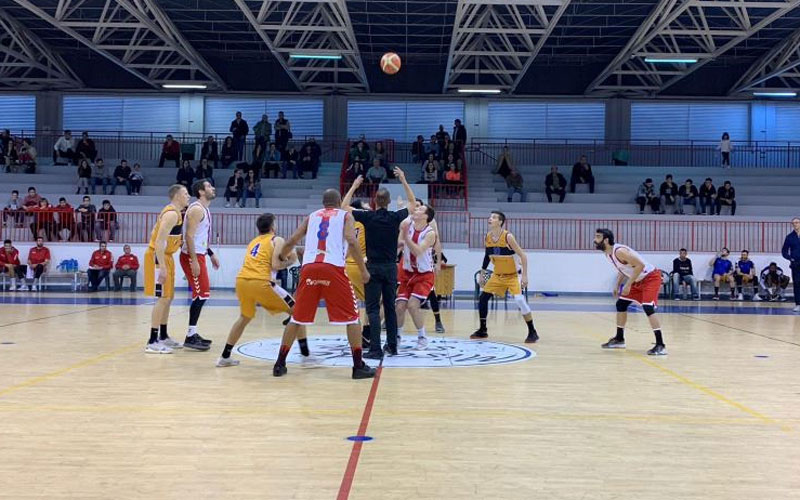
x: 196, y: 241
x: 642, y: 282
x: 329, y: 234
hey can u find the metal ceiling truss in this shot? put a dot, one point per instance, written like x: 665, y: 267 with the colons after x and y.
x: 684, y: 29
x: 134, y: 34
x: 494, y: 42
x: 27, y: 63
x: 778, y: 70
x: 318, y: 27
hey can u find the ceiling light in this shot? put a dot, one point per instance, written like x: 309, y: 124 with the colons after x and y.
x: 197, y: 86
x: 670, y: 60
x: 334, y: 57
x: 775, y: 94
x: 473, y: 90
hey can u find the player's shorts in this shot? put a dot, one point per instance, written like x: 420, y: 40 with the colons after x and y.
x: 268, y: 295
x: 417, y: 285
x: 200, y: 286
x: 645, y: 292
x: 499, y: 284
x: 725, y: 276
x: 322, y: 281
x: 746, y: 278
x: 354, y: 275
x: 151, y: 267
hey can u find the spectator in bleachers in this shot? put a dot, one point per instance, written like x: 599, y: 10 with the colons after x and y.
x: 27, y: 156
x: 290, y: 162
x: 86, y: 217
x: 726, y: 197
x: 32, y: 200
x: 451, y: 163
x: 682, y: 272
x: 441, y: 140
x: 283, y: 132
x: 646, y: 195
x: 43, y: 219
x: 433, y: 147
x: 234, y: 188
x: 9, y: 264
x: 239, y: 129
x: 86, y: 148
x: 84, y: 177
x: 228, y: 155
x: 725, y: 149
x: 773, y: 283
x: 514, y: 183
x: 432, y: 161
x: 360, y: 153
x: 14, y: 211
x: 38, y: 260
x: 5, y: 141
x: 263, y: 131
x: 122, y: 177
x: 65, y: 148
x: 669, y: 194
x: 555, y: 183
x: 185, y: 175
x: 252, y: 188
x: 791, y: 252
x: 204, y: 171
x: 459, y: 134
x: 12, y: 157
x: 106, y: 221
x: 581, y: 174
x: 272, y: 161
x: 258, y: 158
x: 310, y: 158
x: 66, y: 220
x: 137, y: 179
x: 355, y: 169
x: 504, y: 163
x: 361, y: 140
x: 100, y: 176
x: 100, y: 267
x: 687, y: 195
x: 745, y: 273
x: 708, y: 196
x: 430, y: 174
x: 376, y: 174
x: 722, y: 270
x: 380, y: 154
x: 209, y: 151
x: 170, y: 150
x: 126, y: 267
x: 453, y: 175
x: 418, y: 150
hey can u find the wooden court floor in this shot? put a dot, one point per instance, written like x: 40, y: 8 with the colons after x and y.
x: 86, y: 414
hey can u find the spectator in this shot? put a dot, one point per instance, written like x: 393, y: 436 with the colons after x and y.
x: 170, y: 150
x: 430, y: 174
x: 239, y: 129
x: 204, y: 171
x: 99, y: 176
x: 283, y: 132
x: 515, y: 185
x: 452, y: 162
x: 84, y: 177
x: 106, y: 221
x: 126, y: 267
x: 258, y: 158
x: 646, y: 195
x: 32, y: 200
x: 228, y: 152
x: 555, y: 183
x: 234, y: 188
x: 185, y: 175
x: 28, y: 155
x: 252, y: 188
x: 9, y: 263
x: 433, y: 147
x: 122, y: 177
x: 459, y: 134
x: 355, y: 169
x: 5, y: 143
x: 272, y: 161
x: 66, y: 220
x: 682, y: 272
x: 773, y: 282
x: 453, y: 174
x: 65, y: 148
x: 361, y: 140
x: 43, y: 219
x: 435, y: 163
x: 708, y: 196
x: 451, y: 149
x: 380, y: 154
x: 376, y: 174
x: 309, y: 159
x: 290, y: 158
x: 86, y: 148
x: 722, y: 271
x: 791, y: 252
x: 263, y: 131
x: 745, y: 274
x: 38, y: 260
x: 11, y: 157
x: 99, y: 267
x: 669, y: 194
x: 726, y: 197
x: 14, y: 210
x: 725, y: 149
x: 136, y: 179
x: 360, y: 153
x: 86, y: 217
x: 441, y: 140
x: 209, y: 151
x: 687, y: 194
x: 418, y: 151
x: 582, y: 174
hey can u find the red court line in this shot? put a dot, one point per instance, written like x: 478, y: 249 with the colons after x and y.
x: 350, y: 471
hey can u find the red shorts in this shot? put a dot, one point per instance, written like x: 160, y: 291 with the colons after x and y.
x: 417, y: 285
x: 199, y: 285
x: 321, y: 281
x: 645, y: 292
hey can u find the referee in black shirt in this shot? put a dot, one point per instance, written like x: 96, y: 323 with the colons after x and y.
x: 381, y: 229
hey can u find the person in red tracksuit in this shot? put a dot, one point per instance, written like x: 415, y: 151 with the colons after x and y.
x: 9, y: 263
x: 99, y: 267
x: 38, y: 259
x: 127, y: 265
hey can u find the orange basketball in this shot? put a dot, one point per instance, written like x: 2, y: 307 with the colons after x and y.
x: 390, y: 63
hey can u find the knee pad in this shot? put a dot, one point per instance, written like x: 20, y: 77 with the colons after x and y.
x: 622, y: 305
x: 649, y: 309
x: 522, y: 303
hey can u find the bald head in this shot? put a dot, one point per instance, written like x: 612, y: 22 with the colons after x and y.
x: 383, y: 198
x: 331, y: 198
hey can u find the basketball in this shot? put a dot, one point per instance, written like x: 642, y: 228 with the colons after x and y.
x: 390, y: 63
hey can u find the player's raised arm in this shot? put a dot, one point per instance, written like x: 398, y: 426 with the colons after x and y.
x: 293, y: 240
x: 398, y: 172
x: 523, y: 257
x: 348, y: 197
x: 278, y: 263
x: 420, y: 249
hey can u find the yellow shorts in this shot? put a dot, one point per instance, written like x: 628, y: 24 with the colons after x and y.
x: 354, y: 275
x: 272, y: 298
x: 498, y: 284
x: 151, y: 288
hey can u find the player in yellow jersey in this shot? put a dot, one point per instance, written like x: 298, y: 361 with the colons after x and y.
x: 255, y: 284
x: 351, y: 268
x: 501, y: 250
x: 159, y: 268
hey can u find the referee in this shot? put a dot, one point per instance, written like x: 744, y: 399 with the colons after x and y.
x: 791, y: 252
x: 381, y: 228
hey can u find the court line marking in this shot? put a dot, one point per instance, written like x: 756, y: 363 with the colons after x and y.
x: 55, y: 315
x: 355, y: 453
x: 742, y: 330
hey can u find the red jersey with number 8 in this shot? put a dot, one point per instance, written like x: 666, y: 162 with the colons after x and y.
x: 325, y: 241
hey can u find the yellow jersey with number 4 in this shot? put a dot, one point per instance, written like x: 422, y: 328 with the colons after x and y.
x: 258, y: 259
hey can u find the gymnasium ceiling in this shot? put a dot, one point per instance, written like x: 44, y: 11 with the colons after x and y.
x: 523, y: 47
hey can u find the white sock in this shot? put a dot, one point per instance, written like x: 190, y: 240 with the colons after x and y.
x: 192, y: 331
x: 400, y: 330
x: 421, y: 332
x: 13, y: 281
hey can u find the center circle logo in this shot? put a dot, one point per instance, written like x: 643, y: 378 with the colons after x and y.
x: 442, y: 352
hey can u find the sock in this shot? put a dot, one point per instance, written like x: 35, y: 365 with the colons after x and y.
x: 433, y: 300
x: 226, y: 353
x: 421, y: 332
x: 739, y: 289
x: 303, y: 346
x: 437, y: 317
x: 365, y: 331
x: 357, y: 361
x: 483, y: 324
x: 192, y: 331
x: 716, y: 290
x: 163, y: 335
x: 282, y: 355
x: 620, y: 333
x: 483, y: 309
x: 659, y: 340
x: 194, y: 312
x: 531, y: 328
x: 153, y: 336
x: 400, y: 331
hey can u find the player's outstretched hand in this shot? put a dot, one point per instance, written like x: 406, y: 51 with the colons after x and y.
x: 359, y: 181
x: 398, y: 172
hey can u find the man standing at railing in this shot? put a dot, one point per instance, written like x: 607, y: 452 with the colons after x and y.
x: 791, y: 252
x: 239, y: 129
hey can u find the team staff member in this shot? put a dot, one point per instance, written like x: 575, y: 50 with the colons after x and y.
x: 791, y: 252
x: 38, y: 260
x: 9, y: 263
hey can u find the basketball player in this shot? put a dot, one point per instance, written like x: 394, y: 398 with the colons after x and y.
x: 353, y: 274
x: 501, y: 247
x: 417, y: 279
x: 159, y: 268
x: 329, y: 235
x: 255, y: 285
x: 196, y: 240
x: 642, y: 283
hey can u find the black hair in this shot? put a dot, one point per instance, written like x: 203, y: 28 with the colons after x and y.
x: 6, y: 242
x: 62, y: 199
x: 264, y: 223
x: 357, y: 204
x: 199, y: 185
x: 607, y: 234
x: 726, y: 182
x: 708, y: 178
x: 746, y: 251
x: 430, y: 212
x: 103, y: 242
x: 502, y: 217
x: 31, y: 187
x: 14, y: 191
x: 683, y: 250
x: 669, y: 176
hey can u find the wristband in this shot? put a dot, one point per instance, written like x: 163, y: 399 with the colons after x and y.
x: 209, y: 252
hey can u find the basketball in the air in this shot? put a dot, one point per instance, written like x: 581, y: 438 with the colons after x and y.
x: 390, y: 63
